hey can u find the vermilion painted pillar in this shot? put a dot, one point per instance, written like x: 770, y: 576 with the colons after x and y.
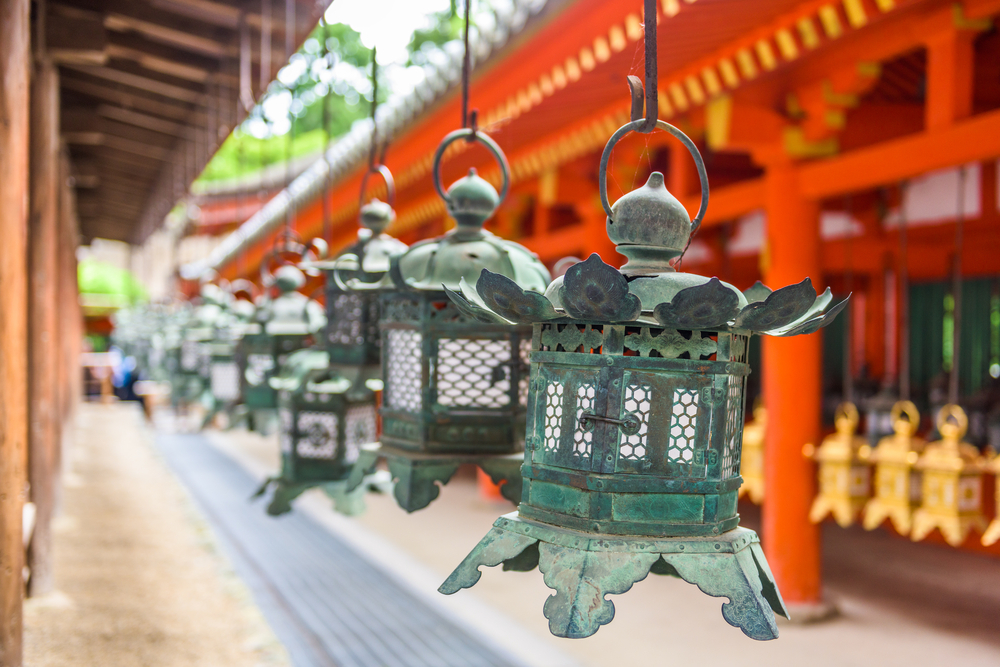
x: 792, y: 393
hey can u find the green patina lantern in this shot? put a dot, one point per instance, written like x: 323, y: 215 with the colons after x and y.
x: 193, y: 354
x: 224, y: 378
x: 326, y: 394
x: 287, y: 323
x: 455, y: 388
x: 635, y: 419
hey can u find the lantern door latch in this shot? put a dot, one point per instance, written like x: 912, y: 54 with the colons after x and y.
x: 629, y: 426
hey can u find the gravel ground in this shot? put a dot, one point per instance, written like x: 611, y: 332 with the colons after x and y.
x: 139, y: 578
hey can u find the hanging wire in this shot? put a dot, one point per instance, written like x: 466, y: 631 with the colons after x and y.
x: 469, y: 119
x: 373, y: 149
x: 956, y: 290
x: 904, y: 300
x: 265, y: 44
x: 327, y: 223
x: 289, y: 51
x: 849, y: 321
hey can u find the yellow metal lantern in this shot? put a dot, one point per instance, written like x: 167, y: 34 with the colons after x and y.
x: 897, y: 482
x: 952, y: 484
x: 844, y: 473
x: 992, y: 533
x: 752, y: 463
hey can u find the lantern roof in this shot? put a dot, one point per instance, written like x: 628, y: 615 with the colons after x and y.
x: 468, y: 250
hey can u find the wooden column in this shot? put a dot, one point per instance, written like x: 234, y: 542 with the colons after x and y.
x: 950, y: 77
x: 43, y: 345
x: 792, y: 392
x: 14, y: 73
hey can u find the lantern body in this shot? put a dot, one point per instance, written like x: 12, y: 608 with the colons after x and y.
x: 897, y: 482
x: 844, y: 472
x: 451, y: 384
x: 352, y: 333
x: 674, y: 469
x: 752, y: 459
x: 951, y: 493
x: 325, y: 415
x: 992, y: 534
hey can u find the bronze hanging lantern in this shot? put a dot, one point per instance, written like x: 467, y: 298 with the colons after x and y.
x: 635, y: 418
x: 327, y: 394
x: 287, y: 323
x: 455, y: 388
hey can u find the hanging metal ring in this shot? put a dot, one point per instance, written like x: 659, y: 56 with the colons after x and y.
x: 905, y: 417
x: 290, y: 249
x: 952, y: 422
x: 390, y: 184
x: 472, y: 135
x: 636, y: 126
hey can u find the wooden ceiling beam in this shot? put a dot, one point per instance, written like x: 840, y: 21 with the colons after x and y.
x: 146, y: 83
x: 139, y: 119
x: 131, y: 15
x: 172, y: 110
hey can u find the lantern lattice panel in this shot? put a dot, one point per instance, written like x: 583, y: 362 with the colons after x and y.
x: 225, y: 380
x: 360, y: 426
x: 285, y: 431
x: 637, y: 402
x: 190, y: 356
x: 472, y: 372
x: 317, y: 433
x: 346, y: 324
x: 683, y: 426
x: 553, y: 416
x: 403, y: 370
x: 583, y: 439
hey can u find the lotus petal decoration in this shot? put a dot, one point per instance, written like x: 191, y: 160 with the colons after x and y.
x: 708, y: 306
x: 758, y: 292
x: 503, y: 296
x: 475, y: 311
x: 595, y: 291
x: 779, y: 309
x: 814, y: 324
x: 818, y: 307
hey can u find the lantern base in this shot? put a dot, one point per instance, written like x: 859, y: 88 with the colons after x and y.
x: 954, y: 527
x: 844, y: 510
x: 584, y: 567
x: 416, y: 474
x: 992, y: 533
x: 263, y: 421
x: 349, y: 502
x: 878, y: 510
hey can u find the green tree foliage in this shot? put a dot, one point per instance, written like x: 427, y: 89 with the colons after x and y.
x: 338, y: 77
x: 319, y: 78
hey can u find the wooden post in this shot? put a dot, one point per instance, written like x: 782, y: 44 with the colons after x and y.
x: 792, y: 392
x: 70, y: 332
x: 950, y: 77
x: 14, y: 71
x: 43, y: 245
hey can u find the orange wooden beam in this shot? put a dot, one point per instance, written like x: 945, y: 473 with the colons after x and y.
x: 972, y: 140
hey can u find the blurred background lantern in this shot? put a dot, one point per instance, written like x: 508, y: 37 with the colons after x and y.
x: 951, y: 497
x: 327, y: 394
x: 897, y: 482
x: 992, y: 534
x: 844, y: 471
x: 635, y: 415
x: 287, y: 323
x: 455, y: 387
x: 752, y: 459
